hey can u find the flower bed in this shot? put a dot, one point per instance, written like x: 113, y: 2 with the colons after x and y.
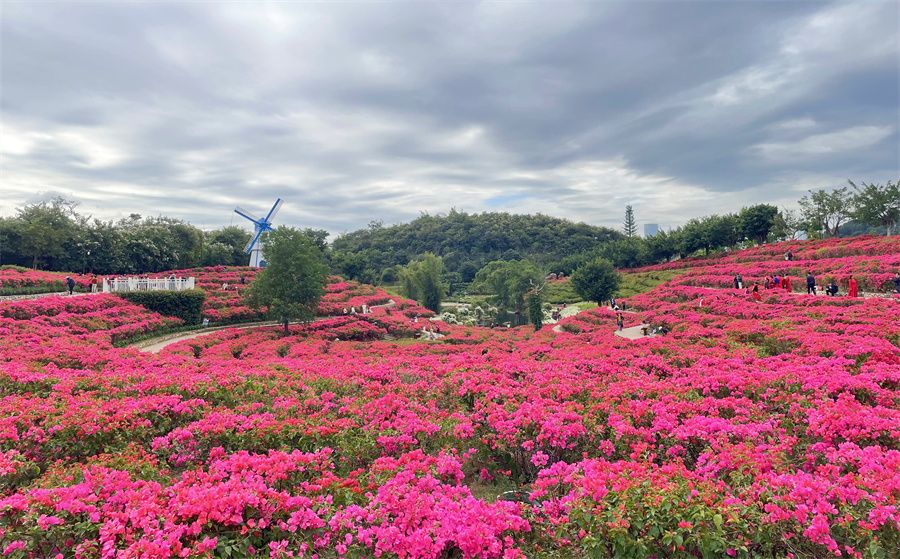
x: 753, y: 429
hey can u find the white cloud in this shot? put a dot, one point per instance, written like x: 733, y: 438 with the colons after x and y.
x: 820, y: 145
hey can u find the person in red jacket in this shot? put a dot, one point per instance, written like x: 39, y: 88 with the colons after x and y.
x: 756, y: 295
x: 786, y: 282
x: 853, y: 287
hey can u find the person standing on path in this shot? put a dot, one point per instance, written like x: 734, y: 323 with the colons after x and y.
x: 70, y: 284
x: 810, y: 283
x: 620, y: 321
x: 852, y: 287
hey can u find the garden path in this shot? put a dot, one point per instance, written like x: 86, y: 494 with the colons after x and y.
x: 155, y: 345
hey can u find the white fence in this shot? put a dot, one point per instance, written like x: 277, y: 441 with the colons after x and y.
x: 119, y: 285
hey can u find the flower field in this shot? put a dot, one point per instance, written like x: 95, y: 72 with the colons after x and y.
x: 753, y: 429
x: 15, y: 280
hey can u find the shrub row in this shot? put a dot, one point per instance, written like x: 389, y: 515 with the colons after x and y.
x: 186, y: 305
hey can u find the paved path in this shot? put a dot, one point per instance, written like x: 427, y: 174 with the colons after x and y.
x: 632, y: 333
x: 155, y: 345
x: 42, y: 295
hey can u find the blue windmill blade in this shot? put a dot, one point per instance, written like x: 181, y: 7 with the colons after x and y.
x: 254, y: 240
x: 244, y: 213
x: 268, y: 219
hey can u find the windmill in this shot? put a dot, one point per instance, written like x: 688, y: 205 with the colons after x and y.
x: 260, y: 226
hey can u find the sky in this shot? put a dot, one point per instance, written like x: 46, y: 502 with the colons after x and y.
x: 360, y: 112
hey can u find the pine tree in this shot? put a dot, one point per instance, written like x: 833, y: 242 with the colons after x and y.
x: 630, y: 226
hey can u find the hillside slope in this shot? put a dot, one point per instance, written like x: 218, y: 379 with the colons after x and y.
x: 465, y: 241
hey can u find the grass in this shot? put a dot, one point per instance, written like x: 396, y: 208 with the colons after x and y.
x: 631, y: 284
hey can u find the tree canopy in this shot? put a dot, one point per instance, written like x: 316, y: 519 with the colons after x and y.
x: 509, y: 281
x: 422, y: 281
x: 292, y: 283
x: 596, y: 280
x: 465, y: 242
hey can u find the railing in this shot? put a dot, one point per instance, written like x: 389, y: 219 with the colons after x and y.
x: 119, y: 285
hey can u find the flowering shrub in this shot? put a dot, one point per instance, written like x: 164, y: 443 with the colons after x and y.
x: 15, y: 280
x: 753, y: 429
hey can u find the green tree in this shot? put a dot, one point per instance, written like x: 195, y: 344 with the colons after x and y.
x: 786, y: 226
x: 509, y: 281
x: 755, y: 222
x: 630, y: 227
x: 294, y: 280
x: 225, y: 246
x: 661, y: 247
x: 422, y: 281
x: 535, y: 310
x: 45, y: 227
x: 824, y: 211
x: 877, y: 204
x: 596, y: 280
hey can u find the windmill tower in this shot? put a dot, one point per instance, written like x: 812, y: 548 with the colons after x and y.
x: 260, y: 226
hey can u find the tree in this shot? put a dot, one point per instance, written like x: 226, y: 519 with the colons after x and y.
x: 535, y: 310
x: 596, y: 280
x: 824, y: 211
x: 877, y: 204
x: 625, y: 253
x: 422, y: 281
x: 630, y: 227
x: 755, y: 222
x: 226, y: 246
x: 661, y: 247
x: 294, y: 280
x: 786, y: 226
x: 45, y: 226
x: 509, y: 282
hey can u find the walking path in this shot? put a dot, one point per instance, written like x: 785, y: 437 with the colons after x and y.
x: 42, y: 295
x: 633, y: 333
x: 155, y: 345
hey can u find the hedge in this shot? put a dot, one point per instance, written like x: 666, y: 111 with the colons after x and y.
x: 186, y: 305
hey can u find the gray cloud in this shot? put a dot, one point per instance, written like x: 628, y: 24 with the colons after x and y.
x: 355, y: 112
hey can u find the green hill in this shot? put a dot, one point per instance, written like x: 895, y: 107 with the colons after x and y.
x: 465, y: 241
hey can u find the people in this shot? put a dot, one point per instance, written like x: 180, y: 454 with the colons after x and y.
x: 768, y: 282
x: 756, y: 295
x: 852, y: 287
x: 831, y: 289
x: 738, y: 281
x: 70, y: 284
x: 810, y: 283
x: 243, y: 280
x: 786, y: 283
x: 776, y: 282
x: 620, y: 321
x: 897, y: 282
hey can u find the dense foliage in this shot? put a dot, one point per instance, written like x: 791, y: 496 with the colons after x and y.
x: 466, y: 242
x: 422, y: 280
x: 754, y: 429
x: 293, y: 282
x: 596, y: 280
x: 185, y: 305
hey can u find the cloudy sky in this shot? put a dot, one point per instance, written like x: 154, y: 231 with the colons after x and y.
x: 355, y: 112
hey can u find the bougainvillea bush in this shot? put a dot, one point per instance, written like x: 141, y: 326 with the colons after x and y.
x: 224, y: 294
x: 15, y: 280
x: 753, y: 429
